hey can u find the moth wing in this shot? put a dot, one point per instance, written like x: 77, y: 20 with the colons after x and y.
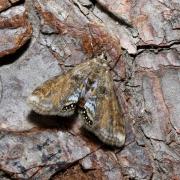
x: 102, y: 113
x: 59, y: 95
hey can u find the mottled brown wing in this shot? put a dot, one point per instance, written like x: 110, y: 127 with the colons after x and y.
x: 59, y: 95
x: 101, y: 112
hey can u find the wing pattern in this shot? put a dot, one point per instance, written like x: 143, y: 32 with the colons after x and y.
x: 90, y: 88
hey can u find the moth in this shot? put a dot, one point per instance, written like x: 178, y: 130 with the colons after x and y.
x: 89, y: 89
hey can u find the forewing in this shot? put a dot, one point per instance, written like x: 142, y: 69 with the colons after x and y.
x: 59, y: 95
x: 101, y: 112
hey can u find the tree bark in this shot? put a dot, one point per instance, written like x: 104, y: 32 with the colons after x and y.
x: 40, y: 39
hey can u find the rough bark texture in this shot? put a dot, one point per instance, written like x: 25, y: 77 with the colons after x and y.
x: 42, y: 38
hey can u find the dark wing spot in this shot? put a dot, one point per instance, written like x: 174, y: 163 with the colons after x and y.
x: 102, y: 90
x: 85, y: 117
x: 90, y: 123
x: 69, y: 107
x: 76, y: 77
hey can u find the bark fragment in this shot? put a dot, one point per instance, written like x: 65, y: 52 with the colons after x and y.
x: 15, y: 30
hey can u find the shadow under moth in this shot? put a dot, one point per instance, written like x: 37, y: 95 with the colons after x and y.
x: 89, y: 88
